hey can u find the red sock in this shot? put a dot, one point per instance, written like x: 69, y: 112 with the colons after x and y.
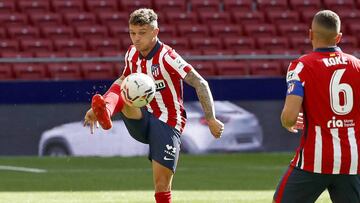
x: 113, y: 99
x: 163, y: 197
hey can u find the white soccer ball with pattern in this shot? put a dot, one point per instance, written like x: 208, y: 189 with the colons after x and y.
x: 138, y: 89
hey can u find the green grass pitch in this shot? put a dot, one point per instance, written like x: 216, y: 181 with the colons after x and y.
x: 238, y: 178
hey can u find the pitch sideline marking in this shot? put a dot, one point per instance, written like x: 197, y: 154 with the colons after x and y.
x: 22, y: 169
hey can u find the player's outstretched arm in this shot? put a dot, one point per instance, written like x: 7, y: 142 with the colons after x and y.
x: 194, y: 79
x: 91, y: 121
x: 90, y: 118
x: 291, y: 117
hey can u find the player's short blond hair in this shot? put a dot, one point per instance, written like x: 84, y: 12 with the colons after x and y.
x: 328, y: 20
x: 144, y: 16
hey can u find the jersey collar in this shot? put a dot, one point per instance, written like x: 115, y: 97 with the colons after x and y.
x: 328, y: 49
x: 152, y: 52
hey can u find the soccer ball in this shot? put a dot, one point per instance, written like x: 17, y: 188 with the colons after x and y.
x: 138, y: 89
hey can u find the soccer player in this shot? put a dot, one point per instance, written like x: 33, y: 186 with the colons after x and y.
x: 161, y: 123
x: 325, y: 84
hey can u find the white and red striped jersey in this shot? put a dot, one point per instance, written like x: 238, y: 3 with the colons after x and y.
x: 168, y: 70
x: 330, y: 143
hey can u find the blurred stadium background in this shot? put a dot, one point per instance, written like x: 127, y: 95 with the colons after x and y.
x: 55, y: 54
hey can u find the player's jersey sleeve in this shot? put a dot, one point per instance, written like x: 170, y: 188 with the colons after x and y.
x: 127, y: 70
x: 176, y: 64
x: 295, y: 78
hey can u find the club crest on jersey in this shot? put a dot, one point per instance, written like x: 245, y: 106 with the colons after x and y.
x: 155, y: 70
x: 292, y: 75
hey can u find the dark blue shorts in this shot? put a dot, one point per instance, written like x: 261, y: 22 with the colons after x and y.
x: 299, y: 186
x: 164, y: 140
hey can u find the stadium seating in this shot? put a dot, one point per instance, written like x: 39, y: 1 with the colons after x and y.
x: 338, y: 5
x: 349, y: 16
x: 67, y: 6
x: 34, y: 6
x: 245, y: 18
x: 233, y: 68
x: 212, y: 18
x: 206, y: 43
x: 57, y: 32
x: 225, y: 30
x: 272, y: 5
x: 6, y: 72
x: 260, y: 30
x: 170, y: 5
x: 23, y: 32
x: 108, y: 44
x: 303, y: 44
x: 272, y: 43
x: 98, y: 71
x: 65, y: 71
x: 168, y: 30
x: 237, y: 43
x: 205, y: 68
x: 130, y: 5
x: 2, y: 33
x: 177, y: 42
x: 91, y: 31
x: 265, y: 68
x: 302, y: 5
x: 194, y: 30
x: 294, y: 30
x: 188, y: 52
x: 354, y: 29
x: 280, y: 17
x: 219, y: 52
x: 35, y: 45
x: 252, y: 52
x: 205, y: 5
x: 8, y: 45
x: 181, y: 18
x: 80, y: 18
x: 10, y: 19
x: 45, y: 19
x: 74, y: 44
x: 7, y: 6
x: 15, y: 54
x: 238, y: 6
x: 113, y: 18
x: 101, y: 6
x: 90, y: 28
x: 119, y: 31
x: 30, y: 71
x: 84, y: 54
x: 50, y: 54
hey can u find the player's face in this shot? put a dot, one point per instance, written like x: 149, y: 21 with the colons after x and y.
x: 143, y: 37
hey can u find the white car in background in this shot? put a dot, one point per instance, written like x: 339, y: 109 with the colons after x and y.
x: 242, y: 133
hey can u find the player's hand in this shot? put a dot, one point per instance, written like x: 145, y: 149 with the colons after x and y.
x: 216, y: 127
x: 299, y: 125
x: 90, y: 120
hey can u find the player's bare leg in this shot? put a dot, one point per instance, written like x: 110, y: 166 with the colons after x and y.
x: 131, y: 112
x: 162, y: 182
